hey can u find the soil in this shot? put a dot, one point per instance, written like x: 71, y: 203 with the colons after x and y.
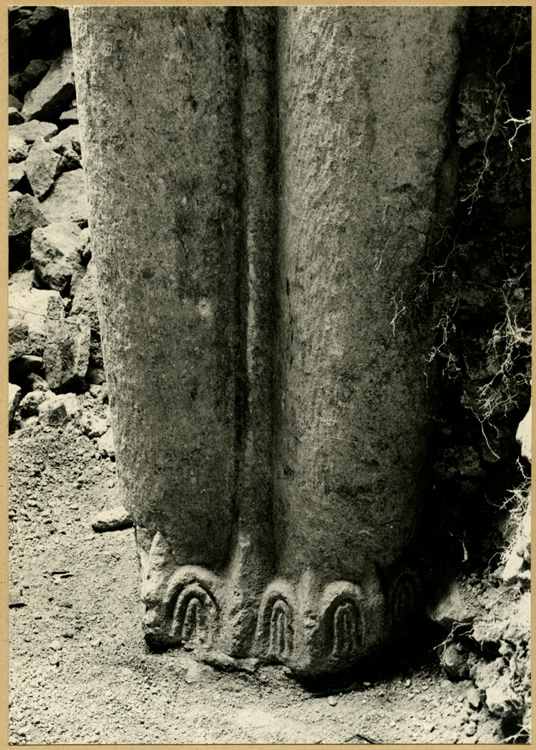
x: 81, y: 672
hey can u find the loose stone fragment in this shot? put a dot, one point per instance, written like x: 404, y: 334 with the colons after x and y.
x: 112, y: 519
x: 29, y: 131
x: 54, y: 91
x: 14, y: 398
x: 41, y: 167
x: 53, y: 252
x: 67, y: 199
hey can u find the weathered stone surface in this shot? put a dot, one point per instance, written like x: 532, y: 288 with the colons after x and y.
x: 14, y: 394
x: 14, y: 116
x: 69, y: 117
x: 67, y: 143
x: 93, y: 426
x: 14, y: 102
x: 14, y: 86
x: 28, y: 312
x: 54, y: 91
x: 18, y: 148
x: 38, y: 383
x: 58, y: 410
x: 33, y: 73
x: 15, y: 175
x: 85, y: 299
x: 66, y: 353
x: 95, y: 377
x: 106, y: 444
x: 84, y: 246
x: 53, y: 253
x: 25, y: 214
x: 41, y: 167
x: 29, y: 131
x: 67, y: 199
x: 112, y: 519
x: 310, y: 462
x: 21, y: 280
x: 450, y: 609
x: 29, y: 405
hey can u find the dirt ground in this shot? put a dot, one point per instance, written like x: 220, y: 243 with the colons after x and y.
x: 80, y: 671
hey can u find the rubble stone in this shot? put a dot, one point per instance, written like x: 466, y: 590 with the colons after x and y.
x: 60, y: 409
x: 93, y: 426
x: 105, y: 444
x: 42, y: 167
x: 14, y: 116
x: 69, y: 117
x: 17, y: 148
x: 28, y: 312
x: 53, y: 252
x: 84, y: 299
x: 54, y: 91
x: 29, y: 131
x: 29, y: 405
x: 25, y: 214
x: 112, y: 519
x: 14, y: 394
x: 66, y: 354
x: 67, y: 143
x: 67, y: 199
x: 15, y: 175
x: 33, y: 73
x: 14, y: 102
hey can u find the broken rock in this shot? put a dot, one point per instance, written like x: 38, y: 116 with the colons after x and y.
x: 28, y: 312
x: 29, y: 131
x: 42, y: 167
x: 67, y: 143
x: 15, y: 175
x: 66, y: 354
x: 33, y: 73
x: 67, y: 199
x: 29, y: 405
x: 69, y: 117
x: 114, y: 518
x: 14, y: 395
x: 53, y: 252
x: 25, y: 215
x: 93, y: 426
x: 59, y: 410
x: 54, y: 92
x: 17, y: 148
x: 84, y: 300
x: 14, y: 116
x: 105, y: 444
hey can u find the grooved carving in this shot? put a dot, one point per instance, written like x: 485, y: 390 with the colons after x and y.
x: 281, y: 630
x: 403, y: 599
x: 195, y: 616
x: 346, y: 635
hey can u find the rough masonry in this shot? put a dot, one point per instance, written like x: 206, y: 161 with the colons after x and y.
x: 264, y: 186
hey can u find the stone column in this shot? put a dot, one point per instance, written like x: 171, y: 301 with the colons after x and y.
x: 263, y: 184
x: 363, y: 101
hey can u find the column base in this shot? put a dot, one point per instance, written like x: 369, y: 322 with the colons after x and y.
x: 310, y: 627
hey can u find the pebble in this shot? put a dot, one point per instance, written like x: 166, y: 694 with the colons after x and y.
x: 470, y: 729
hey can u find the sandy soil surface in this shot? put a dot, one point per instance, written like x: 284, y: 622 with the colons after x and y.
x: 80, y: 671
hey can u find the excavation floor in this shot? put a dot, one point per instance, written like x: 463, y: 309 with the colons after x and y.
x: 80, y: 671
